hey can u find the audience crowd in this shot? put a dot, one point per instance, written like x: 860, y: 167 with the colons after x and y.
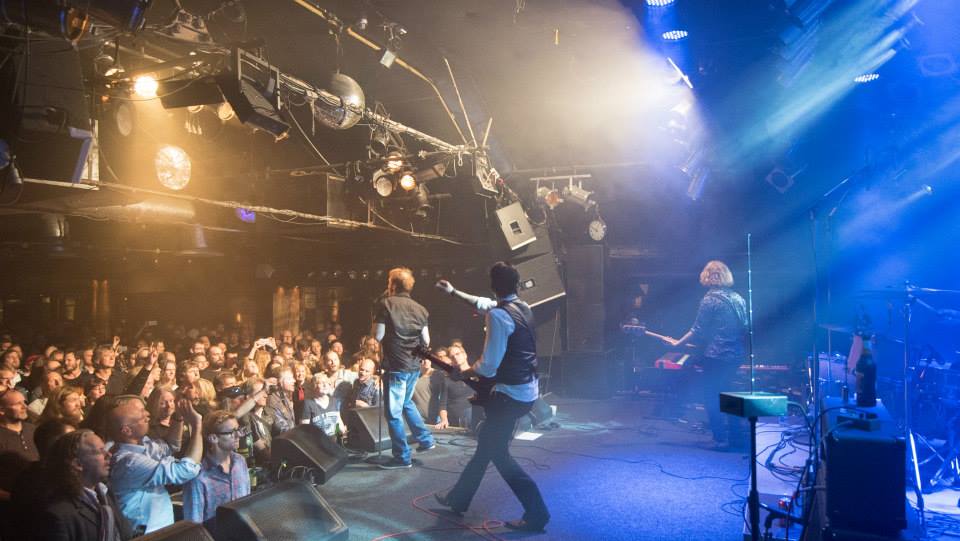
x: 97, y: 440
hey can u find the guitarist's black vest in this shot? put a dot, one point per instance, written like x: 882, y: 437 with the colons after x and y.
x: 519, y: 363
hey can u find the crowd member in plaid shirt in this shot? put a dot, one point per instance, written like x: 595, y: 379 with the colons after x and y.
x: 223, y: 473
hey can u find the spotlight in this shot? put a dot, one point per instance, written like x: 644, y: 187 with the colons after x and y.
x: 246, y: 216
x: 674, y: 35
x: 106, y: 65
x: 422, y: 196
x: 659, y: 3
x: 866, y: 78
x: 173, y: 167
x: 361, y: 23
x: 9, y: 175
x: 146, y: 86
x: 382, y: 183
x: 379, y: 140
x: 580, y: 197
x: 225, y: 112
x: 125, y: 118
x: 927, y: 189
x: 194, y: 109
x: 394, y: 162
x: 408, y: 181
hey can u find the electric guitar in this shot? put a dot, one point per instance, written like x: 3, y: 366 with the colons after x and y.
x: 483, y: 387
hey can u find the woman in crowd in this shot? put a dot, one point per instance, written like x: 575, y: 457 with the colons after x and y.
x: 249, y: 370
x: 93, y: 389
x: 168, y: 376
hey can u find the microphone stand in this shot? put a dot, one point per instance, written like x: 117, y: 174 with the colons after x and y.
x: 383, y: 406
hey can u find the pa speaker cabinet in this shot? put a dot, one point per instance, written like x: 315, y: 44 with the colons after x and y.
x: 515, y: 227
x: 587, y: 375
x: 367, y: 429
x: 585, y: 298
x: 540, y: 280
x: 311, y: 447
x: 865, y: 478
x: 183, y: 530
x: 290, y: 510
x: 44, y: 114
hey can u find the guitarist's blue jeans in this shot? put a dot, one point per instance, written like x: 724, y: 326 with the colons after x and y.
x: 493, y: 444
x: 399, y: 407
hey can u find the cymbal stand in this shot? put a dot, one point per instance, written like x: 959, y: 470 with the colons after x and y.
x: 907, y: 426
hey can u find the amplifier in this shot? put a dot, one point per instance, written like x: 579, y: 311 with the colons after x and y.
x: 753, y: 404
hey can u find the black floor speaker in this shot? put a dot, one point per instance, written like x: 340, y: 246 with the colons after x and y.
x: 288, y: 511
x: 865, y: 478
x: 363, y: 431
x: 586, y: 375
x: 183, y: 530
x: 309, y: 446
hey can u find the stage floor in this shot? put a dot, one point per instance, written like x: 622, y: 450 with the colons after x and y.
x: 608, y: 470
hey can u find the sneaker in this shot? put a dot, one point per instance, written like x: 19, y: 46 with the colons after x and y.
x: 394, y: 464
x: 444, y: 500
x: 422, y: 448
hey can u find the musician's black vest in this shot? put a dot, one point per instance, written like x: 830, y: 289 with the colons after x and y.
x: 519, y: 363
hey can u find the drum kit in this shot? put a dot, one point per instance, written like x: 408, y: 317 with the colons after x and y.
x: 923, y: 392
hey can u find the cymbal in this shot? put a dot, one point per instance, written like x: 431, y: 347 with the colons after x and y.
x: 904, y: 291
x: 845, y: 329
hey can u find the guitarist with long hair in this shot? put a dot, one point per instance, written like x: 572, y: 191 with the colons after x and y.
x: 510, y: 359
x: 719, y: 331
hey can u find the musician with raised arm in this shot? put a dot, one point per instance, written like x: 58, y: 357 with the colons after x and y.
x: 719, y: 332
x: 510, y: 358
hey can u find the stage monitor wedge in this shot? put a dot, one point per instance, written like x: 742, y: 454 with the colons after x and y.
x: 310, y: 447
x: 753, y: 404
x: 367, y: 429
x: 290, y: 510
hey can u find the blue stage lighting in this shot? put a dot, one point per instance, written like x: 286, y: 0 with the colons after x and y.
x: 866, y: 77
x: 674, y: 35
x: 659, y: 3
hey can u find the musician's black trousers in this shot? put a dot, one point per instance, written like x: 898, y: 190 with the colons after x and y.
x: 719, y: 375
x: 493, y: 444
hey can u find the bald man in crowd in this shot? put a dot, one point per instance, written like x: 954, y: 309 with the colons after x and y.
x: 141, y: 467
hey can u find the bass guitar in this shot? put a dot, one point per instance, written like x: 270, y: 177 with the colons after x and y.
x: 482, y: 387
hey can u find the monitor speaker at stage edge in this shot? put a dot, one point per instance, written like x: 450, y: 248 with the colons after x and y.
x: 289, y: 510
x: 182, y: 530
x: 310, y: 447
x: 367, y: 429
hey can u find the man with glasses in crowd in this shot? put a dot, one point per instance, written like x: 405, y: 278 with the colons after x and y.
x: 223, y: 474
